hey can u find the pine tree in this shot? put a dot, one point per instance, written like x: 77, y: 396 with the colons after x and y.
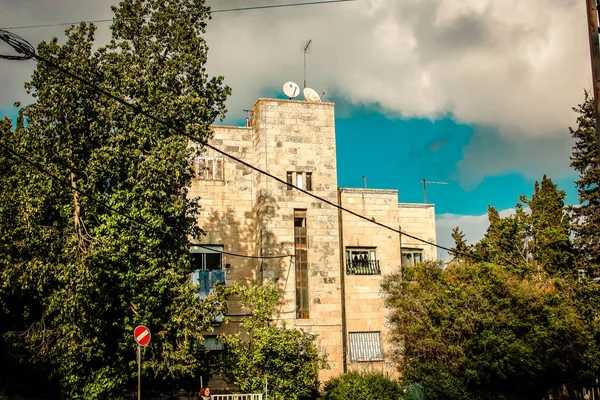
x: 586, y: 216
x: 460, y: 251
x: 77, y: 277
x: 549, y: 229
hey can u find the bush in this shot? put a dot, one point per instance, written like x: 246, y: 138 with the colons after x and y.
x: 362, y: 386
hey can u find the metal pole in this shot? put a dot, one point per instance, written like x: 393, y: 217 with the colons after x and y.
x: 365, y: 181
x: 592, y: 14
x: 424, y: 191
x: 304, y: 68
x: 139, y: 360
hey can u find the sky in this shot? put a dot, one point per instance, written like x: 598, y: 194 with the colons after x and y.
x: 475, y: 93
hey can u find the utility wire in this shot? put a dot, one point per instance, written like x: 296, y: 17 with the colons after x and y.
x: 224, y: 10
x: 114, y: 210
x: 138, y: 109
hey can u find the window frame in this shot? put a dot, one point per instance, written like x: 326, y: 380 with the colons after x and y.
x: 412, y: 252
x: 365, y: 338
x: 301, y: 264
x: 372, y: 267
x: 210, y: 168
x: 194, y: 275
x: 300, y: 179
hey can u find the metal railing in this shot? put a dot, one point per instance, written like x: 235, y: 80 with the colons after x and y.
x: 363, y: 267
x: 252, y: 396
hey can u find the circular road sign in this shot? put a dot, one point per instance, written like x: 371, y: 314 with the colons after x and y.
x: 141, y: 335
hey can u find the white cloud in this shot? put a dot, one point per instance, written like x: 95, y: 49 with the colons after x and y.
x: 519, y: 65
x: 516, y: 66
x: 473, y: 226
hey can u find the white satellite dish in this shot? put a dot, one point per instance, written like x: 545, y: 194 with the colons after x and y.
x: 291, y: 90
x: 311, y: 95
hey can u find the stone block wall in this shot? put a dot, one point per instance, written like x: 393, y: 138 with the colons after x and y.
x: 365, y: 311
x: 250, y: 213
x: 418, y: 220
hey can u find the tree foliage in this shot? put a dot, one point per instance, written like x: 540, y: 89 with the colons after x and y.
x: 362, y: 385
x: 76, y: 276
x: 535, y: 238
x: 482, y: 331
x: 286, y: 360
x: 586, y: 215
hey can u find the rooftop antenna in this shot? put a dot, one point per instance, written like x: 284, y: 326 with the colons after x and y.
x: 425, y: 182
x: 365, y: 180
x: 248, y: 117
x: 307, y: 50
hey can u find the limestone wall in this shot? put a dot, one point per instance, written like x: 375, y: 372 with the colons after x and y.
x: 365, y: 311
x: 418, y: 220
x: 297, y: 136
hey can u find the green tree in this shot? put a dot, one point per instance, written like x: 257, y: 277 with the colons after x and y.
x: 77, y: 277
x: 549, y: 229
x: 482, y: 331
x: 586, y: 215
x: 285, y: 359
x: 535, y: 238
x: 358, y: 385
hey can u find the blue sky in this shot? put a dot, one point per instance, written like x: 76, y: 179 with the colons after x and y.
x: 476, y: 93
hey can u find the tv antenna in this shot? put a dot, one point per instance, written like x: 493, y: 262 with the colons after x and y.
x: 425, y: 182
x: 306, y: 49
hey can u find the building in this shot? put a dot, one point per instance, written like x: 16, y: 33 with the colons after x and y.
x: 330, y: 285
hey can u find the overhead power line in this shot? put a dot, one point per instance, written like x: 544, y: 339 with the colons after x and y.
x: 139, y: 110
x: 217, y: 11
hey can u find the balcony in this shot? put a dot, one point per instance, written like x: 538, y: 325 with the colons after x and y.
x: 363, y: 267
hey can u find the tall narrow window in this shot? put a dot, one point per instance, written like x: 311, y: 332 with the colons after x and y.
x: 309, y: 181
x: 290, y: 180
x: 300, y: 244
x: 299, y: 179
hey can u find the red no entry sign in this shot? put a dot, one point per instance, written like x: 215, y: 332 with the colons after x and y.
x: 141, y: 335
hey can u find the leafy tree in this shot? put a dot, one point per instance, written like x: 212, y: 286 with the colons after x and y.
x: 586, y: 216
x: 483, y: 331
x: 362, y: 385
x: 288, y: 360
x: 549, y: 229
x: 76, y: 276
x: 535, y: 238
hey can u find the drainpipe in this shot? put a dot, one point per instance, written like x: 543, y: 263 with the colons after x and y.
x: 344, y: 327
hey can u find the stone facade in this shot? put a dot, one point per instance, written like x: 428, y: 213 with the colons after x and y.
x: 249, y: 213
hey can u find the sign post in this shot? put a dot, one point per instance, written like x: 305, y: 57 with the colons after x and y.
x: 142, y: 338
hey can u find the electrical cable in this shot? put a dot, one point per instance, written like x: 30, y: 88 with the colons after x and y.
x: 224, y: 10
x: 166, y: 124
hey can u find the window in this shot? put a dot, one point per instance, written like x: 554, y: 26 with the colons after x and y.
x: 207, y: 267
x: 210, y: 168
x: 411, y: 257
x: 212, y: 343
x: 362, y: 261
x: 303, y: 180
x: 300, y: 245
x: 365, y: 346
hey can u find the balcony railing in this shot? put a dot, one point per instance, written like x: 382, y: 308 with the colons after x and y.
x: 363, y: 267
